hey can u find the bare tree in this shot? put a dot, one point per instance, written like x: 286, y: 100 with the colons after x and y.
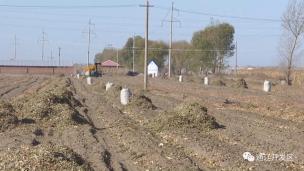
x: 293, y: 24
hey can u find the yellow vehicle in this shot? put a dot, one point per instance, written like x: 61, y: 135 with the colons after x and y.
x: 91, y: 70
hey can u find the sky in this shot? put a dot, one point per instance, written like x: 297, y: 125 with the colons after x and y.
x: 114, y: 21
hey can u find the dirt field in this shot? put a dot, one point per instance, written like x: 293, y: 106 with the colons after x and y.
x: 61, y: 123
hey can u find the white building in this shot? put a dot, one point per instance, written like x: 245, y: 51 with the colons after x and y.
x: 153, y: 69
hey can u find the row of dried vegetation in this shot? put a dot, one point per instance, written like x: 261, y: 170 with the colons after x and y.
x: 185, y: 117
x: 42, y: 157
x: 53, y: 106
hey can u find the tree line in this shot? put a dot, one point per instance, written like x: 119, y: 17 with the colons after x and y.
x: 209, y: 50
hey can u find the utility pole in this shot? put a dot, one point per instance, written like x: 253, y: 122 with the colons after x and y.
x: 89, y: 42
x: 147, y: 6
x: 52, y: 59
x: 236, y: 58
x: 133, y: 53
x: 171, y: 34
x: 59, y: 55
x: 171, y: 21
x: 15, y: 43
x: 43, y: 40
x: 117, y: 55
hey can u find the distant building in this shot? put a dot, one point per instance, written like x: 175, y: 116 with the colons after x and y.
x: 109, y: 66
x: 153, y: 69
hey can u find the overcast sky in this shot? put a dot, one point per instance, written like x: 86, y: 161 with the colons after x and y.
x: 67, y: 27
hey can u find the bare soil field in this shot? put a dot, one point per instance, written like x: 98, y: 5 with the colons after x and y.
x: 61, y: 123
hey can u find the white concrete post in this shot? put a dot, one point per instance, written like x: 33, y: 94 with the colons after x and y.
x: 124, y: 96
x: 267, y: 86
x: 206, y: 81
x: 180, y: 78
x: 89, y: 80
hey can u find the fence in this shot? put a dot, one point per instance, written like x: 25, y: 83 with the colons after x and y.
x: 44, y: 70
x: 35, y: 63
x: 35, y: 67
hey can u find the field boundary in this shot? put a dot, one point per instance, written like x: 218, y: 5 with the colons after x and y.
x: 47, y: 70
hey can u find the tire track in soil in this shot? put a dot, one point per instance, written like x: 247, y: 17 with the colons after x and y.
x: 98, y: 153
x: 10, y: 85
x: 77, y: 137
x: 130, y: 145
x: 9, y: 81
x: 19, y: 88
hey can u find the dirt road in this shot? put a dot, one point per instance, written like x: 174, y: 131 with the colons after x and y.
x: 12, y: 86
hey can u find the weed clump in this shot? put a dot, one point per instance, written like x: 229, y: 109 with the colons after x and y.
x: 114, y: 91
x: 241, y: 83
x: 54, y: 105
x: 186, y: 116
x: 99, y: 87
x: 42, y: 158
x: 219, y: 82
x: 8, y: 119
x: 142, y: 102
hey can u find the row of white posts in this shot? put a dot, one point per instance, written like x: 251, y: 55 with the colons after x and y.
x: 266, y: 88
x: 206, y: 80
x: 125, y: 92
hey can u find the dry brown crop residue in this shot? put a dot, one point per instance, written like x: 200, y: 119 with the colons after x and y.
x: 7, y: 118
x: 42, y: 158
x: 54, y: 105
x: 186, y: 116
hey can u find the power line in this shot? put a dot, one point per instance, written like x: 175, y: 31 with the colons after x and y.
x: 73, y: 15
x: 120, y: 24
x: 223, y: 16
x: 135, y: 5
x: 180, y: 10
x: 182, y: 50
x: 68, y: 7
x: 230, y: 16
